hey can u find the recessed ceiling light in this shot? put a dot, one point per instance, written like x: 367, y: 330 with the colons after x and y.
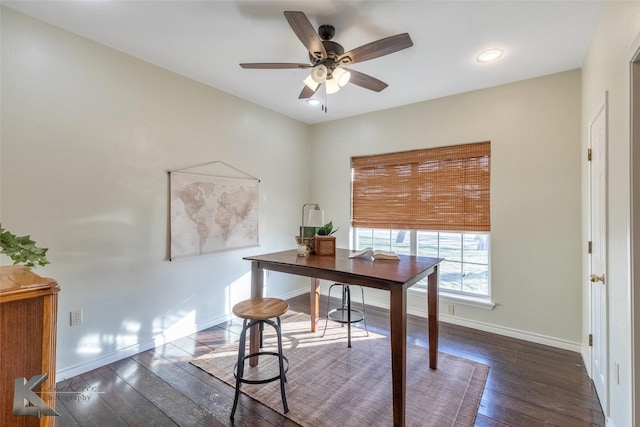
x: 490, y: 55
x: 313, y: 101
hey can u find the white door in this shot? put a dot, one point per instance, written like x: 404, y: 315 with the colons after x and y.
x: 597, y: 277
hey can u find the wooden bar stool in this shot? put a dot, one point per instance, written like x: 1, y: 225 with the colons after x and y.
x: 259, y: 311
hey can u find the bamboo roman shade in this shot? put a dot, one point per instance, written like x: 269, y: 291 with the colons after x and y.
x: 442, y: 189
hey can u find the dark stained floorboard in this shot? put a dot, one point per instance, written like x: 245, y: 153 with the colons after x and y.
x: 133, y: 408
x: 86, y: 406
x: 528, y: 384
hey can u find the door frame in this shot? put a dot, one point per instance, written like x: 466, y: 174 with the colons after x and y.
x: 603, y: 108
x: 634, y: 223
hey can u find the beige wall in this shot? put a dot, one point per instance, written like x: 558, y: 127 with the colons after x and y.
x: 606, y: 70
x: 534, y: 129
x: 88, y: 135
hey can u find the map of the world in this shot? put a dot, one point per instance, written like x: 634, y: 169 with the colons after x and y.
x: 210, y: 214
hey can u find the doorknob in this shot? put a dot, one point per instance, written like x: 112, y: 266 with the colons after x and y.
x: 595, y: 278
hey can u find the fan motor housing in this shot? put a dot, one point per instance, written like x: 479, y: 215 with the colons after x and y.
x: 334, y: 50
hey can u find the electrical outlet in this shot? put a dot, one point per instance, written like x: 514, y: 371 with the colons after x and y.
x: 451, y: 309
x: 76, y: 317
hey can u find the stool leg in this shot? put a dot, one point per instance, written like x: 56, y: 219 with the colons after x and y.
x: 283, y: 379
x: 348, y: 296
x: 344, y: 301
x: 261, y: 333
x: 240, y: 367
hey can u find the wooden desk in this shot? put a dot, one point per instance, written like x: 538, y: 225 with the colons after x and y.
x: 393, y: 276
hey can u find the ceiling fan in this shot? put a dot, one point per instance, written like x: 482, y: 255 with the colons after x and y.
x: 328, y: 57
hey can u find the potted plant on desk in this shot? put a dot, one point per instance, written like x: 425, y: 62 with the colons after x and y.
x: 324, y: 243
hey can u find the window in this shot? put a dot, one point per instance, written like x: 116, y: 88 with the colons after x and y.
x: 465, y: 270
x: 432, y: 202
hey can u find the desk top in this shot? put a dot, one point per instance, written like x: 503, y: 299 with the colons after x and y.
x: 380, y: 273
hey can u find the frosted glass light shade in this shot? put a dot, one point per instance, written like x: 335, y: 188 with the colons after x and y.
x: 311, y: 84
x: 319, y: 73
x: 341, y: 76
x: 316, y: 218
x: 332, y: 86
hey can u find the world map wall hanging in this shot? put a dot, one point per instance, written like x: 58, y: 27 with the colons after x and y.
x: 212, y: 213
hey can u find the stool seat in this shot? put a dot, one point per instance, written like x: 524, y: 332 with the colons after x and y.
x: 260, y: 309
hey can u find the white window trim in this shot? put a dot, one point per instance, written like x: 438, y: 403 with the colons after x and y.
x: 477, y: 302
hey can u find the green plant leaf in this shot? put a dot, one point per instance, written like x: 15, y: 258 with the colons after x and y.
x: 327, y: 229
x: 21, y: 249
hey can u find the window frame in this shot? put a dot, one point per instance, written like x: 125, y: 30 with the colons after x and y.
x: 449, y: 295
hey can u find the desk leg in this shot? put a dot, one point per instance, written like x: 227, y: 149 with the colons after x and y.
x: 398, y: 313
x: 314, y: 303
x: 432, y: 308
x: 257, y: 286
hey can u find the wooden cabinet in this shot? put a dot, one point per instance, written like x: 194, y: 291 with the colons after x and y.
x: 28, y: 315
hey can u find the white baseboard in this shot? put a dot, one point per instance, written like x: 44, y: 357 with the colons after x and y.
x: 123, y: 353
x: 482, y: 326
x: 81, y: 368
x: 513, y: 333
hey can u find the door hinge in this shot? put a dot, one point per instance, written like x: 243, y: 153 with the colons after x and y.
x: 590, y: 248
x: 590, y: 340
x: 589, y: 154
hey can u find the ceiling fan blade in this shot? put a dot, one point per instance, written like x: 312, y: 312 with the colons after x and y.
x: 366, y: 81
x: 376, y: 49
x: 306, y: 33
x: 274, y: 65
x: 307, y: 92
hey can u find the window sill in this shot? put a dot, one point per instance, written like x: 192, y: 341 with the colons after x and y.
x: 478, y: 302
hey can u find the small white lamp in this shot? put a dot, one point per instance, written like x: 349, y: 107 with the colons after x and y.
x: 315, y: 219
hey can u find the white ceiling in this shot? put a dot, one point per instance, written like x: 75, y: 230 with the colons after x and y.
x: 206, y: 40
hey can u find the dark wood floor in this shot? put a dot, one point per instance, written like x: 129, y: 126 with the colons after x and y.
x: 528, y: 384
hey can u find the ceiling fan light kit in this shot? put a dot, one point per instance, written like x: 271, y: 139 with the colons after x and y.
x: 311, y: 83
x: 327, y: 56
x: 341, y: 76
x: 332, y: 86
x: 319, y: 73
